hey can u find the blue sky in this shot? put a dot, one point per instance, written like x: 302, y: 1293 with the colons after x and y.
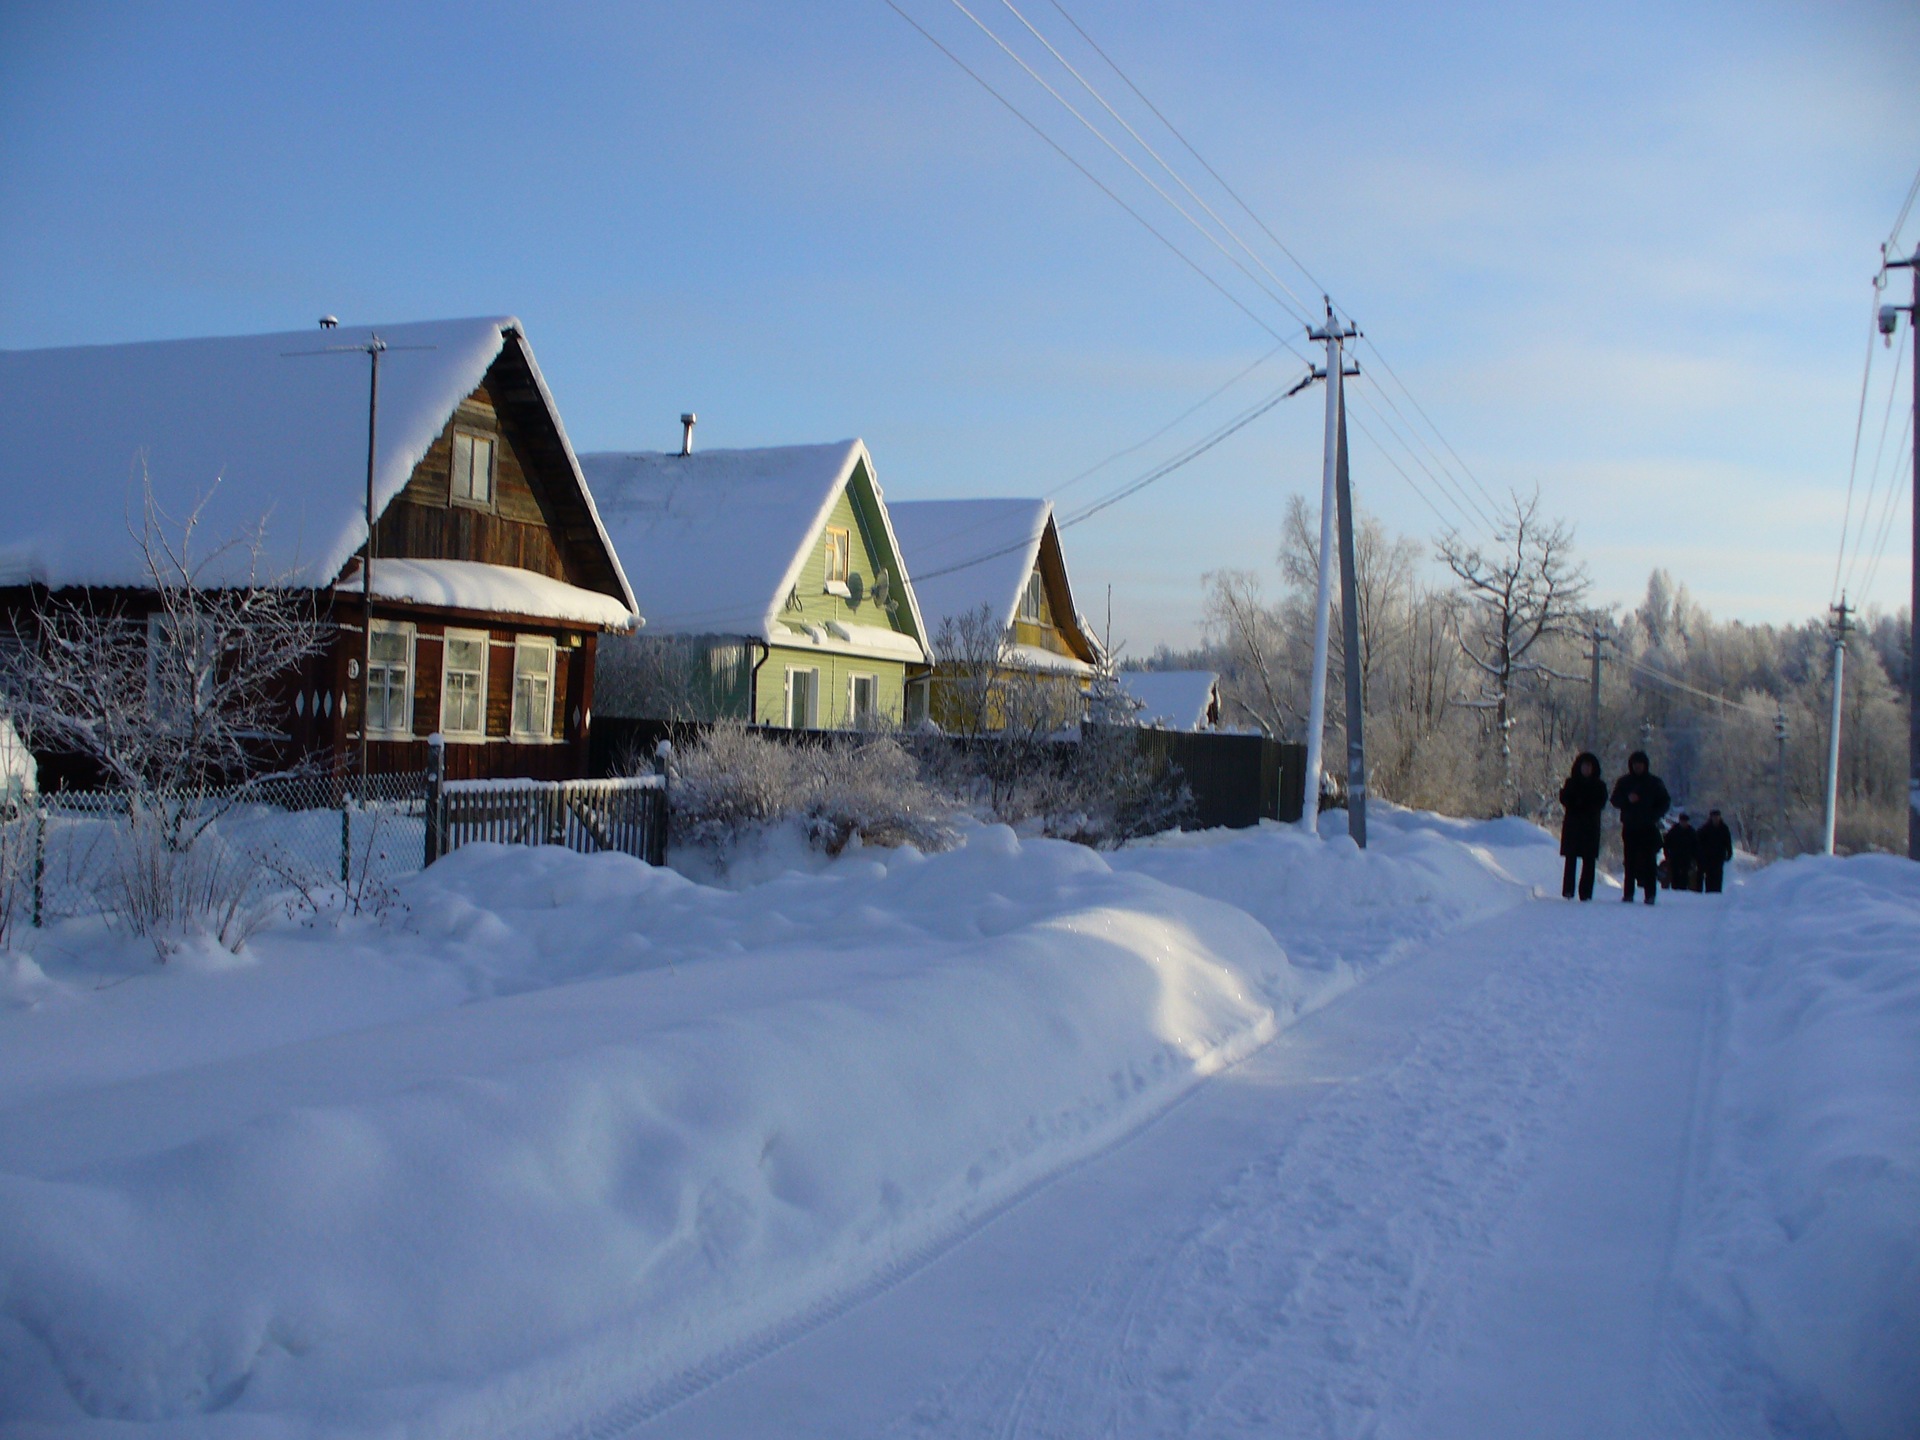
x: 1620, y: 252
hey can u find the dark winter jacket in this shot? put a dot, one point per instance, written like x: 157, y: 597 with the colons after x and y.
x: 1682, y: 845
x: 1716, y: 844
x: 1584, y: 798
x: 1641, y: 799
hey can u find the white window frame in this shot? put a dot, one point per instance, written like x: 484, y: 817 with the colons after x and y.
x: 811, y: 721
x: 485, y: 642
x: 405, y: 732
x: 856, y: 721
x: 471, y: 436
x: 159, y: 624
x: 844, y: 549
x: 1033, y: 608
x: 542, y: 733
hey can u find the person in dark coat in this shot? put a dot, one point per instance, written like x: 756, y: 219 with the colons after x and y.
x: 1682, y: 847
x: 1716, y: 850
x: 1584, y: 798
x: 1641, y: 798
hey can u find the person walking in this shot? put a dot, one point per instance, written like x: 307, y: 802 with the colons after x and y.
x: 1584, y: 799
x: 1641, y: 798
x: 1682, y: 847
x: 1716, y: 850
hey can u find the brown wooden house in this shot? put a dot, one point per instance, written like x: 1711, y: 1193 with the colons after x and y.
x: 492, y: 576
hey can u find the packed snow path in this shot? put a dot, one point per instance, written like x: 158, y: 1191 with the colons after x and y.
x: 1447, y: 1204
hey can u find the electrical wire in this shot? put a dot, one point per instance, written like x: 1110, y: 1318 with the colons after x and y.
x: 1859, y: 428
x: 1105, y: 189
x: 1418, y: 441
x: 1873, y: 472
x: 1303, y: 312
x: 1896, y: 492
x: 1198, y: 405
x: 1124, y: 158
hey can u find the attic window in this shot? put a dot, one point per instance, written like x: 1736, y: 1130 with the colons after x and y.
x: 1033, y: 600
x: 839, y: 548
x: 472, y: 469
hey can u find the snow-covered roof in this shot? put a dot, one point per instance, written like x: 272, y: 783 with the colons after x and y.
x: 1171, y: 699
x: 717, y: 538
x: 502, y: 589
x: 266, y: 430
x: 970, y: 553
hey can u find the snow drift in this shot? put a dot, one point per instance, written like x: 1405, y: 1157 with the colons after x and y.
x: 355, y: 1217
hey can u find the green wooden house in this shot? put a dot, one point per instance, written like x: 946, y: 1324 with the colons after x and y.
x: 775, y: 593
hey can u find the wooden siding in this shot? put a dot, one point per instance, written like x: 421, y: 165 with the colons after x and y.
x: 539, y: 519
x: 836, y: 671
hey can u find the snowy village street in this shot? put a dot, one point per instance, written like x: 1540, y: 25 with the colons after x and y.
x: 1223, y: 1134
x: 1444, y: 1205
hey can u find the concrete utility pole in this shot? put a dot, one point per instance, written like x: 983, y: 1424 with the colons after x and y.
x: 1350, y: 640
x: 1889, y: 320
x: 1334, y: 334
x: 1598, y: 636
x: 1841, y: 626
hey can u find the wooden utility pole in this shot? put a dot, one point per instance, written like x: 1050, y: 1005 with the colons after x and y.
x: 1841, y: 626
x: 1597, y: 634
x: 1889, y: 320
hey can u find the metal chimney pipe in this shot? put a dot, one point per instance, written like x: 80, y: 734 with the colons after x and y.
x: 686, y: 434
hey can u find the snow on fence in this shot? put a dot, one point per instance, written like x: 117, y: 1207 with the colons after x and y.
x: 291, y: 833
x: 628, y: 815
x: 63, y: 852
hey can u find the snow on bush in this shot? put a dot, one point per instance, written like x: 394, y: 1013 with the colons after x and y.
x: 732, y: 782
x: 1811, y: 1247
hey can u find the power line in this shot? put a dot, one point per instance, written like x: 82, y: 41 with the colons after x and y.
x: 1301, y: 310
x: 1859, y: 427
x: 1124, y: 158
x: 1873, y: 474
x: 1201, y: 404
x: 1105, y: 189
x: 1212, y: 239
x: 1140, y: 482
x: 1896, y: 492
x: 1175, y: 132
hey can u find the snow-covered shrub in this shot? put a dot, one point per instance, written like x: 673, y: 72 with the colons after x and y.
x: 165, y: 892
x: 732, y: 781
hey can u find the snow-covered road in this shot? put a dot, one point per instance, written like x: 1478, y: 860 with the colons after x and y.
x: 1446, y: 1204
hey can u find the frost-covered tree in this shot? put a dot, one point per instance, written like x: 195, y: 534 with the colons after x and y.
x: 1521, y: 590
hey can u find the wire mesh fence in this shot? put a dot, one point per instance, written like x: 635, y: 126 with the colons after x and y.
x: 292, y: 835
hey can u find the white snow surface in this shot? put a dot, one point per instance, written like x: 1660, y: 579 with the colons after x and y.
x: 502, y: 589
x: 716, y: 539
x: 272, y: 432
x: 1171, y: 699
x: 566, y: 1145
x: 971, y: 553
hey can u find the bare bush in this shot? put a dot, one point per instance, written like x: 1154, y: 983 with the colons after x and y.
x: 175, y: 691
x: 732, y: 782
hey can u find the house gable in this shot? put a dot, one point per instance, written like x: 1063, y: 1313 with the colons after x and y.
x: 540, y: 517
x: 856, y: 512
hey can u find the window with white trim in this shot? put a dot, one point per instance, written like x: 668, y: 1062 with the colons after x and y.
x: 839, y: 550
x: 532, y: 687
x: 390, y: 680
x: 472, y: 469
x: 863, y: 701
x: 463, y: 685
x: 803, y: 697
x: 1033, y: 600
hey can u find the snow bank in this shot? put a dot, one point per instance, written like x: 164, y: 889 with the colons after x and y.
x: 570, y: 1107
x: 1811, y: 1225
